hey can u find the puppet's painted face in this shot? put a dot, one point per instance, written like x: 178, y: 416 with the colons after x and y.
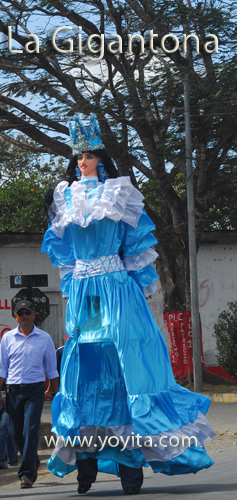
x: 87, y: 163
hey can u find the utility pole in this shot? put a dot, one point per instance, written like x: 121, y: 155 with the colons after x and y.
x: 197, y: 365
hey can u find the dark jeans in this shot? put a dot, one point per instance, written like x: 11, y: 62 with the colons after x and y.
x: 25, y: 405
x: 87, y: 472
x: 7, y: 445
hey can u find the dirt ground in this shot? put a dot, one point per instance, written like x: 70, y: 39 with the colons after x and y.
x: 209, y: 388
x: 9, y: 476
x: 215, y: 389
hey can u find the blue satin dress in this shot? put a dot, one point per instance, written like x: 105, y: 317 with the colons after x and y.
x: 116, y: 384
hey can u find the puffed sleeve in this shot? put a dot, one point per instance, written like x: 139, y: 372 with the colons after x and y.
x: 138, y: 255
x: 60, y: 252
x: 57, y: 242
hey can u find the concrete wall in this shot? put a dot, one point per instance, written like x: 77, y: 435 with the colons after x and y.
x: 20, y: 255
x: 217, y: 276
x: 217, y: 271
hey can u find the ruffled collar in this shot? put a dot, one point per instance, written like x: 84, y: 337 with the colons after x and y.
x: 116, y: 199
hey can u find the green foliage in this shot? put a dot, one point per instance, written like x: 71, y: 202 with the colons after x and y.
x: 24, y: 181
x: 222, y: 200
x: 15, y: 160
x: 22, y: 205
x: 225, y: 331
x: 150, y: 190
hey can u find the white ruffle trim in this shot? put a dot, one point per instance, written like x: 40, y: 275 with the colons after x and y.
x: 162, y: 446
x: 116, y: 199
x: 137, y: 262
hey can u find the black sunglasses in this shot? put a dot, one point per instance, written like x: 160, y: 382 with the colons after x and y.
x: 22, y: 312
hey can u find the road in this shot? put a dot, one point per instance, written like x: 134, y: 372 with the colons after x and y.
x: 217, y: 483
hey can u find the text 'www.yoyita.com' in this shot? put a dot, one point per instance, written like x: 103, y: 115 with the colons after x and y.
x: 128, y: 442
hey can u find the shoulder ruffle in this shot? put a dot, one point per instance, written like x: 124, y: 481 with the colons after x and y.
x: 116, y: 199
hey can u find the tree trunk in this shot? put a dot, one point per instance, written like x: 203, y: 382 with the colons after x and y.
x: 173, y: 271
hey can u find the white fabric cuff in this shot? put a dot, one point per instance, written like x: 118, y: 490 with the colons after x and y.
x: 137, y: 262
x: 63, y: 270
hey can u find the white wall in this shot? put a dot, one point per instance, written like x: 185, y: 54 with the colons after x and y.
x: 217, y: 272
x: 21, y: 255
x: 217, y: 277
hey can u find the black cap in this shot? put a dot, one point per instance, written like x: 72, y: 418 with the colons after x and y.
x: 24, y: 304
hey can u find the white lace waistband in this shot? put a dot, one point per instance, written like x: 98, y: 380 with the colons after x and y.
x: 100, y: 265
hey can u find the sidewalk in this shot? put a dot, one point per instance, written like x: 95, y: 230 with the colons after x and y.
x: 222, y: 417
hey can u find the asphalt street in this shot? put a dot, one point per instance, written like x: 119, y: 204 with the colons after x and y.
x: 219, y: 483
x: 216, y: 483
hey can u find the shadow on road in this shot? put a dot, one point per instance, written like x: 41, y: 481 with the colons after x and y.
x: 184, y: 490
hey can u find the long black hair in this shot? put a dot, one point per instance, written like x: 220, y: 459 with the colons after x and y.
x: 70, y: 176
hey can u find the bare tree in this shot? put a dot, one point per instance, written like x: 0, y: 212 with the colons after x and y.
x: 136, y: 92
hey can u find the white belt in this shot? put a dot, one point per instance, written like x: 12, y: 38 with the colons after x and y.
x: 100, y: 265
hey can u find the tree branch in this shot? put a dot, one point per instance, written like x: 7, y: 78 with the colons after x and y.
x: 52, y: 124
x: 34, y: 133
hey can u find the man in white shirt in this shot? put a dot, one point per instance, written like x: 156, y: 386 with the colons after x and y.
x: 27, y: 355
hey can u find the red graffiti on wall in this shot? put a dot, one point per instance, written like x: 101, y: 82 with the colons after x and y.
x: 204, y: 292
x: 204, y: 295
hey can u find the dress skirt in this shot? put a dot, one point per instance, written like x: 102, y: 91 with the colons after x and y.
x: 118, y: 399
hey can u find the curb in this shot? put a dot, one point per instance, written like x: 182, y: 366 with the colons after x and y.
x: 227, y: 397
